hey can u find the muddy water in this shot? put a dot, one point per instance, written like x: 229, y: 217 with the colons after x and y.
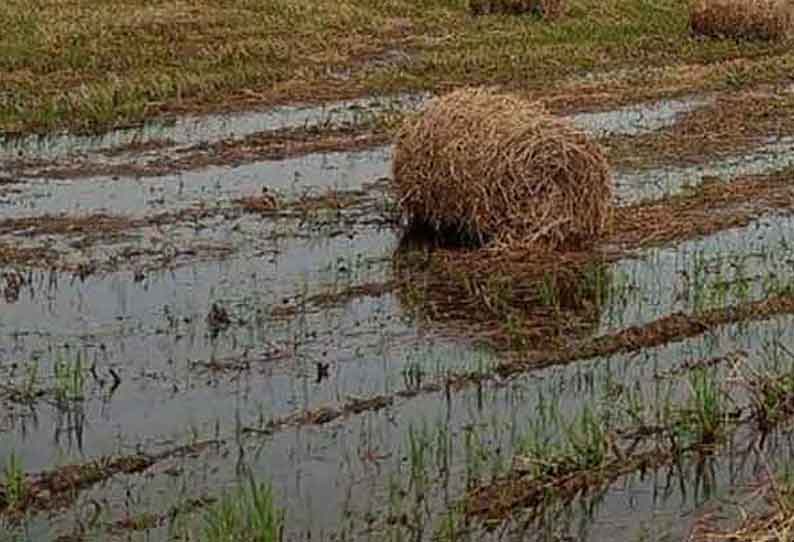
x: 152, y: 330
x: 735, y: 266
x: 209, y: 128
x: 630, y: 120
x: 154, y: 334
x: 488, y: 423
x: 637, y: 119
x: 632, y: 187
x: 183, y: 378
x: 38, y: 196
x: 155, y: 330
x: 633, y: 502
x: 339, y: 171
x: 338, y: 478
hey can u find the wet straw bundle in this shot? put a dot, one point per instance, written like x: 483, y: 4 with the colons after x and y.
x: 496, y: 301
x: 496, y: 170
x: 547, y: 9
x: 742, y: 19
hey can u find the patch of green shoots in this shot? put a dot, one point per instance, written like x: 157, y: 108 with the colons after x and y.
x: 69, y: 379
x: 14, y: 483
x: 250, y: 513
x: 705, y: 414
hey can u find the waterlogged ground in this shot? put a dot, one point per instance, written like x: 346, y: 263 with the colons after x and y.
x: 165, y: 334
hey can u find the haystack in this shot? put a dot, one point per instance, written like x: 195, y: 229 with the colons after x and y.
x: 548, y: 9
x: 742, y: 19
x: 500, y: 171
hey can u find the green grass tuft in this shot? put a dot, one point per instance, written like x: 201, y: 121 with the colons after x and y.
x: 250, y: 513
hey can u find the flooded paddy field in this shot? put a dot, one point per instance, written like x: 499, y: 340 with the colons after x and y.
x: 171, y: 332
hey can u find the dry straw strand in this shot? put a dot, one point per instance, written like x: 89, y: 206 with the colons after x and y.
x: 501, y: 171
x: 742, y: 19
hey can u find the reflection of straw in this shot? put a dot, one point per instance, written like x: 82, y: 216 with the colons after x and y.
x: 508, y: 305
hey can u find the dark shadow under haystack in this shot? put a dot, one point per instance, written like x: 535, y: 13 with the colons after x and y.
x: 547, y: 9
x: 742, y: 19
x: 506, y: 305
x: 503, y: 172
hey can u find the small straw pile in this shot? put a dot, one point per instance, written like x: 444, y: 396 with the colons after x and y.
x: 742, y: 19
x: 487, y: 297
x: 492, y: 169
x: 548, y: 9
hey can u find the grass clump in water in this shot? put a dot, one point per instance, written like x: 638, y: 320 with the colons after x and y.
x: 704, y: 418
x: 250, y: 513
x: 13, y: 491
x: 553, y: 447
x: 770, y: 392
x: 69, y: 379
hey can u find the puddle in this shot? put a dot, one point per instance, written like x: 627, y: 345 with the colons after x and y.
x: 155, y: 330
x: 732, y: 267
x: 481, y: 428
x: 210, y: 128
x: 665, y: 501
x: 640, y: 119
x: 633, y: 187
x: 630, y: 120
x: 155, y: 333
x: 351, y: 478
x: 339, y: 171
x: 209, y: 347
x: 270, y: 266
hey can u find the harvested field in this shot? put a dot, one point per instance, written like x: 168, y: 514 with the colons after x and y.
x: 213, y: 318
x: 165, y: 59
